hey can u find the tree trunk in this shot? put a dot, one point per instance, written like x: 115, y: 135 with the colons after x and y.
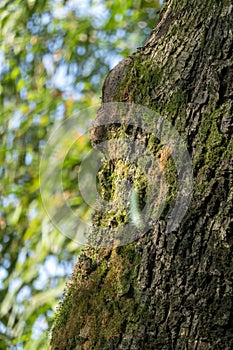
x: 165, y: 289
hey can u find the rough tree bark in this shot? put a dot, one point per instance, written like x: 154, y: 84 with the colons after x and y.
x: 166, y: 290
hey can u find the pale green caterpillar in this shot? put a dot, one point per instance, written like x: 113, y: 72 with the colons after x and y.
x: 134, y: 210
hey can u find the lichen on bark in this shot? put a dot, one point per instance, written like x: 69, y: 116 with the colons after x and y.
x: 165, y: 290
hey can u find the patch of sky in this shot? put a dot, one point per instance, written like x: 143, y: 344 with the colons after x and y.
x: 129, y: 12
x: 33, y: 25
x: 95, y: 79
x: 79, y: 87
x: 60, y: 111
x: 15, y: 120
x: 39, y: 327
x: 45, y: 18
x: 4, y: 66
x: 88, y: 66
x: 6, y: 240
x: 42, y: 144
x: 120, y: 33
x: 76, y: 95
x: 42, y: 280
x: 96, y: 9
x: 23, y: 93
x: 55, y: 44
x: 51, y: 269
x: 2, y: 328
x: 48, y: 64
x: 32, y: 105
x: 36, y: 119
x: 22, y: 256
x: 10, y: 139
x: 28, y: 158
x: 147, y: 31
x: 112, y: 60
x: 3, y: 275
x: 15, y: 155
x: 23, y: 294
x: 81, y: 50
x: 14, y: 284
x: 11, y: 199
x: 50, y: 313
x: 73, y: 69
x: 59, y: 11
x: 61, y: 79
x: 32, y: 214
x: 19, y: 346
x: 29, y: 57
x: 118, y: 17
x: 6, y: 261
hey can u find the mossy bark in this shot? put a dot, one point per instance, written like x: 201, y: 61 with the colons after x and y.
x: 166, y: 290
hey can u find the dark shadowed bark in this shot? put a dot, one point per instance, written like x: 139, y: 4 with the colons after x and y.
x: 165, y: 290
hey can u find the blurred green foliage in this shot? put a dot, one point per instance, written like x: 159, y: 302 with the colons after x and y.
x: 54, y: 55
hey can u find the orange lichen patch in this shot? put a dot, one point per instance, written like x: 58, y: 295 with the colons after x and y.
x: 162, y: 156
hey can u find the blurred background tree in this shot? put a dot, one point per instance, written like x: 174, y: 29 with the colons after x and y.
x: 54, y: 55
